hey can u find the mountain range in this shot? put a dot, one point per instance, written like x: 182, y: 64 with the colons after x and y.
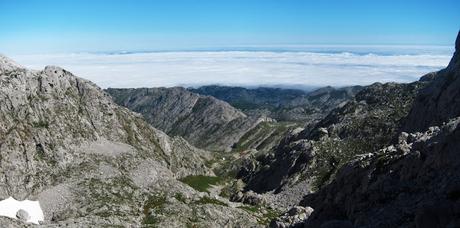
x: 382, y: 155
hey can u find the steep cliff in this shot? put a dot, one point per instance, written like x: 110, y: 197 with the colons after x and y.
x: 412, y: 183
x: 439, y: 101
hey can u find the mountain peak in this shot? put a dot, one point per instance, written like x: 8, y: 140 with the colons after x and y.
x: 455, y: 59
x: 7, y: 64
x: 457, y: 42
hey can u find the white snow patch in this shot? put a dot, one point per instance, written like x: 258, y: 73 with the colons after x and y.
x: 9, y: 207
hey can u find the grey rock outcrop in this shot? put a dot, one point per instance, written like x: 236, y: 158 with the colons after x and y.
x: 22, y: 215
x: 412, y: 183
x: 248, y: 197
x: 11, y: 223
x: 439, y: 101
x: 202, y: 120
x: 366, y: 123
x: 90, y: 162
x: 292, y: 218
x: 49, y: 119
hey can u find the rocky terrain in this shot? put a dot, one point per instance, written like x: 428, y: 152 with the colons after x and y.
x: 90, y: 162
x: 413, y: 182
x: 283, y: 104
x: 306, y: 159
x: 215, y: 125
x: 251, y: 98
x: 383, y: 155
x: 210, y: 123
x: 204, y: 121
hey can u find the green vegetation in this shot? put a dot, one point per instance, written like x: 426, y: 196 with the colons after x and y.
x: 180, y: 197
x: 251, y: 209
x: 334, y: 153
x: 107, y: 196
x: 40, y: 124
x: 264, y: 215
x: 123, y: 186
x: 268, y: 216
x: 207, y: 200
x: 201, y: 183
x: 40, y: 154
x: 154, y: 203
x: 231, y: 188
x: 246, y: 105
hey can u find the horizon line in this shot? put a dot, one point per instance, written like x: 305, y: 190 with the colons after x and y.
x: 248, y: 48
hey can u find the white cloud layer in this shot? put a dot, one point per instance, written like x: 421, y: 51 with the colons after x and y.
x: 246, y: 68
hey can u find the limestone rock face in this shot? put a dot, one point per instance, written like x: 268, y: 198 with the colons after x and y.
x: 202, y: 120
x: 292, y: 218
x: 439, y: 101
x: 312, y: 156
x: 413, y: 182
x: 51, y: 120
x: 90, y: 162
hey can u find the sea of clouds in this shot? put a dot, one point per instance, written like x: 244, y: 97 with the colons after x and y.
x: 294, y: 67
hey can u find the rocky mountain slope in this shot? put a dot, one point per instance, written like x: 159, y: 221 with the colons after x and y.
x: 282, y: 104
x: 90, y: 162
x: 307, y: 159
x: 204, y: 121
x: 440, y: 101
x: 384, y: 155
x: 414, y: 182
x: 247, y: 99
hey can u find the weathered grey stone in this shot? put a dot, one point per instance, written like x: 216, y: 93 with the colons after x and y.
x: 22, y: 215
x: 292, y: 218
x: 438, y: 102
x: 367, y: 123
x: 412, y: 183
x: 92, y: 163
x: 202, y: 120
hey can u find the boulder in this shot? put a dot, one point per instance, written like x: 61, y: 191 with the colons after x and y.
x: 294, y: 217
x: 22, y: 215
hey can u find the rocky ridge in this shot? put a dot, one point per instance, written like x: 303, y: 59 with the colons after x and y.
x: 202, y: 120
x: 413, y: 182
x: 289, y: 105
x: 90, y: 162
x: 386, y: 158
x: 312, y: 155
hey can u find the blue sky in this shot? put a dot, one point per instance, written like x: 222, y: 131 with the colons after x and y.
x: 38, y: 26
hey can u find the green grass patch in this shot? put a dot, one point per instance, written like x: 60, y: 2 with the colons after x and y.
x: 207, y: 200
x: 251, y: 209
x: 264, y: 215
x: 268, y: 216
x: 201, y: 183
x: 180, y: 197
x: 154, y: 203
x: 41, y: 124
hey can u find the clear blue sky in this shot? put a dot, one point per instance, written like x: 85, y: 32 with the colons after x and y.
x: 97, y: 25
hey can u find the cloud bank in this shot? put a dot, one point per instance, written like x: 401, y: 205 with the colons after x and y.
x: 242, y: 68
